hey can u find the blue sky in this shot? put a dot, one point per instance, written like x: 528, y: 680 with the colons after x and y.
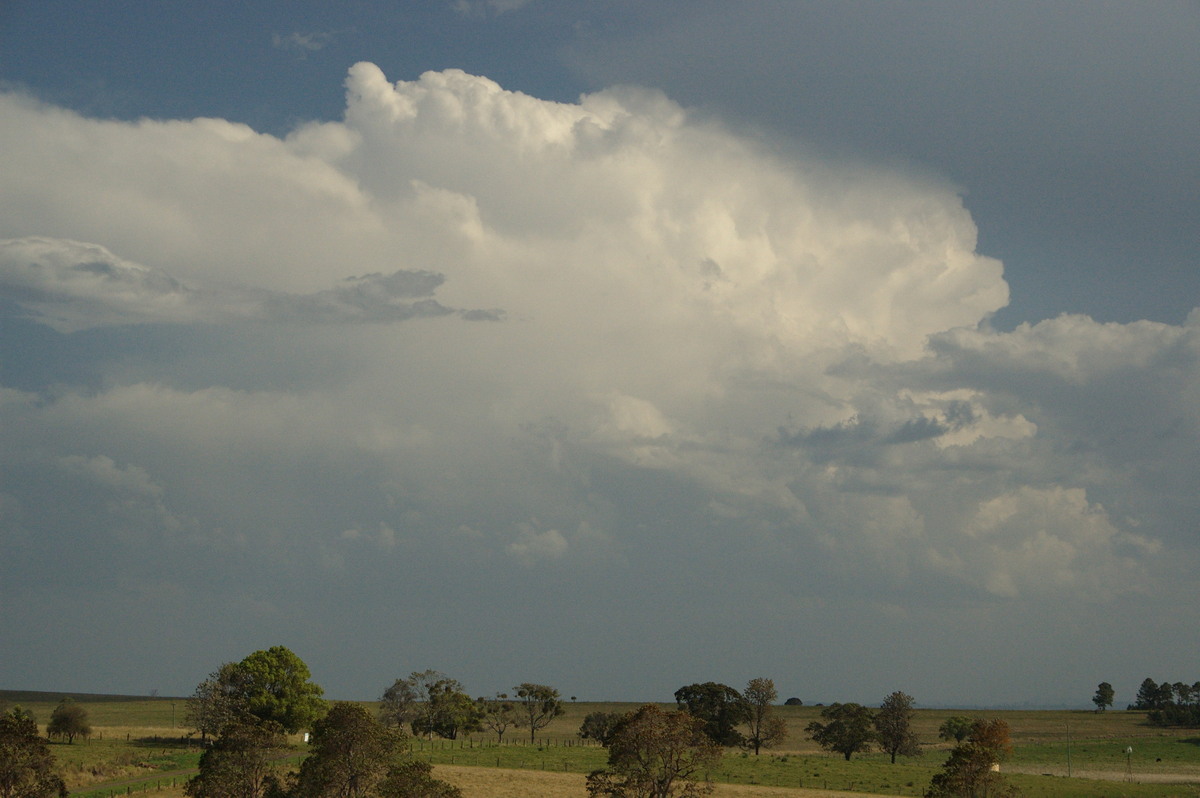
x: 607, y: 344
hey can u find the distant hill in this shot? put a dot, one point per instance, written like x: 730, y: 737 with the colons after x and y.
x: 41, y: 696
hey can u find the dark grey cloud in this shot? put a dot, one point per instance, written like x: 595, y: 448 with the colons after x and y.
x: 71, y: 285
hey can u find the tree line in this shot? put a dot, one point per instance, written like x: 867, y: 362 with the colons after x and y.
x: 658, y: 754
x: 244, y: 710
x: 652, y: 752
x: 1169, y: 703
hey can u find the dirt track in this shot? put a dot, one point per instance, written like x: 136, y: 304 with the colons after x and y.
x: 500, y: 783
x: 1114, y: 775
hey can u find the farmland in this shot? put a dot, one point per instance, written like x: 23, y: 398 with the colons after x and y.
x: 138, y: 744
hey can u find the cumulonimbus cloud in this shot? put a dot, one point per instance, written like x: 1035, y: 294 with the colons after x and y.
x: 707, y: 350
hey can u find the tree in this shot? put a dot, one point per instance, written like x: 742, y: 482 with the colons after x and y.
x: 539, y: 704
x: 497, y: 714
x: 349, y: 754
x: 214, y: 704
x: 956, y: 728
x: 599, y: 726
x: 275, y: 685
x: 1152, y: 695
x: 68, y: 720
x: 721, y: 707
x: 847, y: 730
x: 269, y: 685
x: 1147, y: 695
x: 763, y: 728
x: 656, y: 754
x: 431, y: 703
x: 450, y: 712
x: 1182, y: 692
x: 27, y: 768
x: 793, y: 702
x: 1104, y: 696
x: 1169, y: 704
x: 353, y: 755
x: 398, y: 705
x: 239, y: 763
x: 972, y: 769
x: 893, y: 726
x: 413, y: 778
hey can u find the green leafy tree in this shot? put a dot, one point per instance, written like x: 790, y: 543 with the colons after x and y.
x: 275, y: 686
x: 1104, y: 696
x: 413, y: 778
x: 956, y: 728
x: 498, y: 714
x: 893, y: 726
x: 240, y: 762
x: 657, y: 754
x: 353, y: 755
x: 420, y: 700
x: 27, y: 768
x: 68, y: 721
x: 271, y: 685
x: 721, y: 707
x: 848, y: 729
x: 972, y: 769
x: 350, y: 753
x: 764, y: 729
x: 538, y: 704
x: 451, y: 712
x: 599, y: 726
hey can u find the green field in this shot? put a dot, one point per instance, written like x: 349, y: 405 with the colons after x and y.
x: 139, y: 744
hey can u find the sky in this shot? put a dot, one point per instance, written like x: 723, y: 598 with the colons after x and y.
x: 604, y: 344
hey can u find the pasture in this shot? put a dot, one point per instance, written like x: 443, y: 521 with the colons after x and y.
x: 140, y: 745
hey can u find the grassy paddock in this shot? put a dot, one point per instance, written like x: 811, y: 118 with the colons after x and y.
x: 136, y: 748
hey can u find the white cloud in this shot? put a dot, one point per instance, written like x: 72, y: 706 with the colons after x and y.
x: 481, y: 8
x: 1048, y: 541
x: 703, y: 355
x: 104, y: 471
x: 533, y: 544
x: 301, y: 44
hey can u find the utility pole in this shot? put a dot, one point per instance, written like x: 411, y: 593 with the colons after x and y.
x: 1068, y: 749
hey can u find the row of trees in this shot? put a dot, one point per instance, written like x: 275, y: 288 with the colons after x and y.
x: 1169, y: 703
x: 658, y: 754
x: 351, y: 755
x: 849, y: 728
x: 430, y: 702
x: 248, y: 707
